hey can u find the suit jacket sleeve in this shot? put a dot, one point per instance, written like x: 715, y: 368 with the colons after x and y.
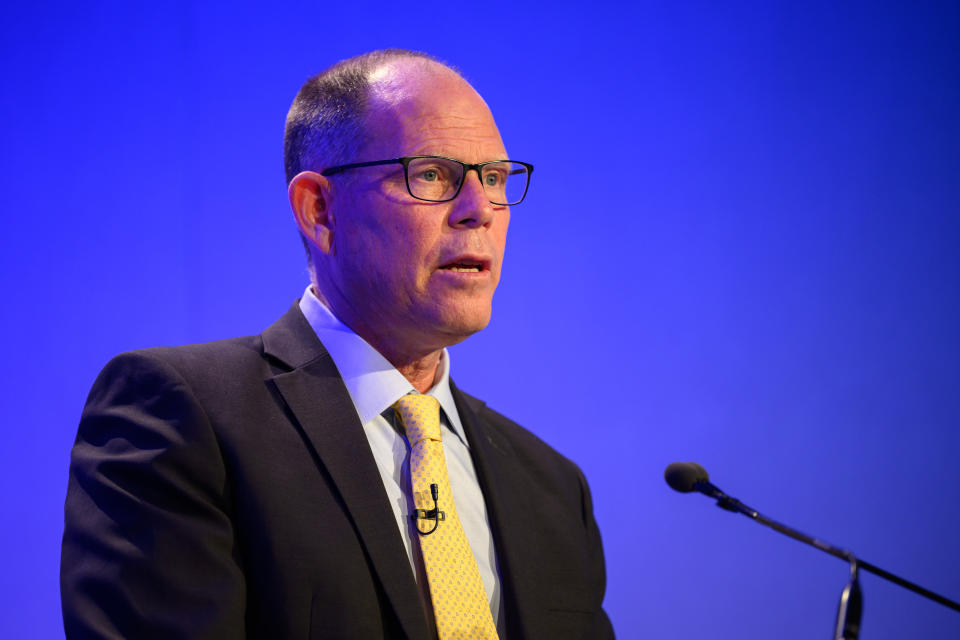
x: 148, y: 547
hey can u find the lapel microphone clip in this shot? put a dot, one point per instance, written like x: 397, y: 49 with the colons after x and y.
x: 433, y: 514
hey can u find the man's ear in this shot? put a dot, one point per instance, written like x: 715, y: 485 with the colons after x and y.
x: 310, y: 200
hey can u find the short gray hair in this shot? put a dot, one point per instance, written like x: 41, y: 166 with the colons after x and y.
x: 325, y: 121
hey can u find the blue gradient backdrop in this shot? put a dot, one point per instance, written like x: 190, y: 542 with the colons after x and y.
x: 741, y: 248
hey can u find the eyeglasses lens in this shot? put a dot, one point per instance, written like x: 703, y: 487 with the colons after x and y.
x: 438, y: 179
x: 434, y: 178
x: 505, y: 182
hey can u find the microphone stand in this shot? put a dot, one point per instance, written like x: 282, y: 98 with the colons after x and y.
x: 851, y: 607
x: 851, y: 600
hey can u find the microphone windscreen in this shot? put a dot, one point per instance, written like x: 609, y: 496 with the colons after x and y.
x: 681, y: 476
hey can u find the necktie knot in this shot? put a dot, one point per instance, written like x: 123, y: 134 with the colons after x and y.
x: 420, y: 415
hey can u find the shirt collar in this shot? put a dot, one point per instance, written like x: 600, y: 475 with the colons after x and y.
x: 372, y: 382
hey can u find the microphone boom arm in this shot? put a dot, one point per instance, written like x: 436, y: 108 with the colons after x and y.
x: 732, y: 504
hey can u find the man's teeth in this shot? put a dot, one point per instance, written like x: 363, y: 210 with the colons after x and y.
x: 464, y: 269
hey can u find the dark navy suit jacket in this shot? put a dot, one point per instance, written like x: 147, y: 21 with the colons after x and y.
x: 226, y: 490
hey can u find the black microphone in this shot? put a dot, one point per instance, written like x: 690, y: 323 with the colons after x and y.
x: 687, y: 477
x: 683, y: 476
x: 433, y: 514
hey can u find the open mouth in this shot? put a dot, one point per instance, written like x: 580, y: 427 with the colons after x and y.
x: 464, y: 266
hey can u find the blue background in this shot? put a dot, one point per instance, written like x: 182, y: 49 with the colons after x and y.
x: 740, y: 248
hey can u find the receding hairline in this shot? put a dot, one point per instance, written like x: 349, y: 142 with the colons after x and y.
x: 327, y: 117
x: 413, y: 80
x: 394, y: 75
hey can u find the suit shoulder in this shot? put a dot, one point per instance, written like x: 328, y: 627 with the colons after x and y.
x: 206, y: 354
x: 225, y: 366
x: 217, y: 358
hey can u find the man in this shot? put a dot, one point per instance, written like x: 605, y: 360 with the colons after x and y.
x: 272, y: 486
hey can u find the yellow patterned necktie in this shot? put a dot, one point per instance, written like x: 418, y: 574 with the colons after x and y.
x: 460, y: 603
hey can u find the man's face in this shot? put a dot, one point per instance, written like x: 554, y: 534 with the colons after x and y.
x: 417, y: 276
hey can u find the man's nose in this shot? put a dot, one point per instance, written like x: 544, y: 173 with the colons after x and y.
x: 472, y: 207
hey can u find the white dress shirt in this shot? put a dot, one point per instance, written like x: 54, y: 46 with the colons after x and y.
x: 374, y: 385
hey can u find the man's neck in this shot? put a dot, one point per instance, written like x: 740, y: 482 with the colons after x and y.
x: 419, y: 368
x: 421, y: 373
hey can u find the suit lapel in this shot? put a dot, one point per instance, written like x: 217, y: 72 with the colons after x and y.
x: 316, y: 396
x: 508, y: 505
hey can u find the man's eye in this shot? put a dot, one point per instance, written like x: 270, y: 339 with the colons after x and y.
x: 492, y: 179
x: 432, y: 174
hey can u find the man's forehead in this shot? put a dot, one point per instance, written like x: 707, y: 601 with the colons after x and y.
x: 418, y: 96
x: 414, y: 80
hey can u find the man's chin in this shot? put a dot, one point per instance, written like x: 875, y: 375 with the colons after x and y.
x: 457, y: 327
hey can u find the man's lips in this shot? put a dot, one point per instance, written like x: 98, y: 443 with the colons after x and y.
x: 466, y: 264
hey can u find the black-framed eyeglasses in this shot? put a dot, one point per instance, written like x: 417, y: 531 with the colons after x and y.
x: 440, y: 179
